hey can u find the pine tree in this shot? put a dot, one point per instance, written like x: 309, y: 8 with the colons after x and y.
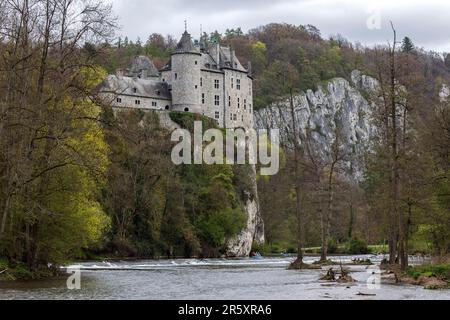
x: 407, y: 45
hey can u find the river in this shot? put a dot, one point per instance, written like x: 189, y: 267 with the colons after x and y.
x: 237, y: 279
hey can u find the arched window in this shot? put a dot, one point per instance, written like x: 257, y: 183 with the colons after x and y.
x: 186, y: 109
x: 167, y: 107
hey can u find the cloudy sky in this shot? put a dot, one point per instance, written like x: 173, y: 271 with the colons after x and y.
x: 427, y: 22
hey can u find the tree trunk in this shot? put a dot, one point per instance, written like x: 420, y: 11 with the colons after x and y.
x: 5, y: 215
x: 298, y: 193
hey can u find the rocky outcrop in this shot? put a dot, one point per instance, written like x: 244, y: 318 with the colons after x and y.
x: 241, y: 245
x: 339, y: 103
x: 444, y: 94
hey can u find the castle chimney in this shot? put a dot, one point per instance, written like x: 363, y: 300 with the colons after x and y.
x: 218, y: 54
x: 232, y: 57
x: 144, y: 74
x: 249, y: 68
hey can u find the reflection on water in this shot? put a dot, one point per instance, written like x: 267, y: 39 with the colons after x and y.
x: 210, y: 279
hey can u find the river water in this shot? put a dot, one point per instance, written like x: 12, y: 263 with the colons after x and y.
x: 238, y: 279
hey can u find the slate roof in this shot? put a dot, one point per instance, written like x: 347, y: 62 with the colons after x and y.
x: 186, y: 45
x: 142, y: 67
x: 136, y: 87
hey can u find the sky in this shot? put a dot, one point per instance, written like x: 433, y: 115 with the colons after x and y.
x: 426, y: 22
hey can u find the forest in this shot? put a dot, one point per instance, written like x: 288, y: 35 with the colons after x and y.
x: 80, y: 181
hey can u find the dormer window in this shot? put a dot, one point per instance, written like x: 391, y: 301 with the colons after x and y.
x: 208, y: 65
x: 158, y: 93
x: 134, y: 90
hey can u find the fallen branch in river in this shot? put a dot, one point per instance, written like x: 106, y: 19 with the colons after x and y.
x: 366, y: 294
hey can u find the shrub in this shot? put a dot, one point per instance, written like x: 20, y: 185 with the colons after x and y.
x: 357, y: 246
x: 332, y: 246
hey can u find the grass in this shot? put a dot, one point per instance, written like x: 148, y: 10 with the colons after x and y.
x: 440, y: 271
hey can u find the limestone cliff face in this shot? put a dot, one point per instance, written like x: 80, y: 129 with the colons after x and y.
x: 338, y: 103
x: 241, y: 245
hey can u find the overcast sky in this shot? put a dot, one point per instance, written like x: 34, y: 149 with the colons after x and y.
x: 426, y: 22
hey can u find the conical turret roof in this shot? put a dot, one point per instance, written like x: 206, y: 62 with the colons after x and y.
x: 186, y: 45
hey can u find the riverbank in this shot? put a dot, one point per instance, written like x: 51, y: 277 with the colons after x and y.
x: 20, y: 272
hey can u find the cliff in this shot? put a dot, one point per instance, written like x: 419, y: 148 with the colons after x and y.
x: 337, y: 103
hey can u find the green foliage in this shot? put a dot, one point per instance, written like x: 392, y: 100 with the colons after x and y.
x: 332, y: 245
x: 441, y: 271
x: 357, y: 246
x: 407, y: 45
x: 186, y: 120
x: 174, y: 211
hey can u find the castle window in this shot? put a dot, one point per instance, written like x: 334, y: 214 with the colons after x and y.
x: 134, y: 90
x: 216, y: 84
x: 229, y: 101
x: 242, y: 118
x: 245, y: 104
x: 186, y: 109
x: 201, y: 82
x: 235, y: 117
x: 232, y: 83
x: 164, y: 80
x: 158, y: 92
x: 154, y: 104
x: 238, y: 84
x: 119, y: 100
x: 239, y: 103
x: 196, y: 62
x: 196, y: 86
x: 176, y: 76
x: 203, y: 98
x: 217, y: 114
x: 137, y: 102
x: 167, y: 107
x: 231, y: 116
x: 217, y: 100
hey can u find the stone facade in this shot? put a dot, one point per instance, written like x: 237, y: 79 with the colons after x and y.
x: 207, y: 80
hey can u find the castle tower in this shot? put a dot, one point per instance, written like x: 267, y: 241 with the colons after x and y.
x: 185, y: 65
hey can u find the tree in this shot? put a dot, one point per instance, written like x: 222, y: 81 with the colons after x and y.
x: 53, y: 153
x: 407, y: 45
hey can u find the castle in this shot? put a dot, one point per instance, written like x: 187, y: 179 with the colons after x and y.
x: 199, y: 78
